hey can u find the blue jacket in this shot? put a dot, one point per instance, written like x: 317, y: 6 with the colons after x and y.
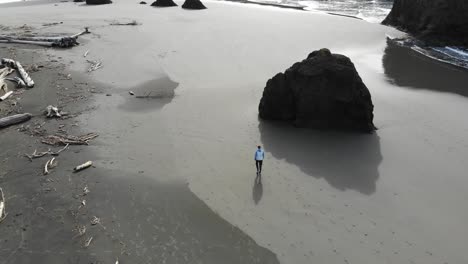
x: 259, y: 154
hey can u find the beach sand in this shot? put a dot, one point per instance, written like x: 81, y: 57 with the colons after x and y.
x: 174, y: 177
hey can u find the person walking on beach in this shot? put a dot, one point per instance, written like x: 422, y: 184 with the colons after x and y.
x: 259, y: 156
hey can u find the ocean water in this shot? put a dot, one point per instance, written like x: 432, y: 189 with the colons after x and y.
x: 375, y: 11
x: 370, y: 10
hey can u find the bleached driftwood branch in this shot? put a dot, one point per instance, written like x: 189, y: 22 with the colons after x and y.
x: 17, y: 66
x: 5, y: 96
x: 83, y: 166
x: 86, y: 190
x: 3, y: 214
x: 49, y: 165
x: 88, y: 242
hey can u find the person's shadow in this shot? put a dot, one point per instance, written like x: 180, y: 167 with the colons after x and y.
x: 257, y: 190
x: 346, y: 160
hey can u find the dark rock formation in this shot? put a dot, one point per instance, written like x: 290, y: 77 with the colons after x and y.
x: 142, y: 3
x: 442, y: 22
x: 322, y: 91
x: 164, y: 3
x: 193, y: 4
x: 98, y: 2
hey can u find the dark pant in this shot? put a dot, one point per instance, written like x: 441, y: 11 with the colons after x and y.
x: 258, y: 164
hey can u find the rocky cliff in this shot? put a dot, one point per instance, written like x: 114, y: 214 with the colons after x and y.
x: 441, y: 22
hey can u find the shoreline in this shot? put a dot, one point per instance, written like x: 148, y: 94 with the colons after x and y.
x: 172, y: 176
x: 39, y: 204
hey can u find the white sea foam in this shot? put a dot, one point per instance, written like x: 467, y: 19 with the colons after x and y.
x: 373, y: 11
x: 459, y: 52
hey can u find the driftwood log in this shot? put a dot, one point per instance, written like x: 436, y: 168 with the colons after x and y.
x: 14, y: 119
x: 3, y: 214
x: 6, y: 95
x: 59, y: 41
x: 85, y: 31
x: 83, y: 166
x: 3, y: 85
x: 16, y: 65
x: 18, y: 41
x: 4, y: 72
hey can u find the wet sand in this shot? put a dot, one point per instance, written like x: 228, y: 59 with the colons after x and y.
x: 185, y: 159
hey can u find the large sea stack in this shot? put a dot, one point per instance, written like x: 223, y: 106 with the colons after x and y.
x: 163, y: 3
x: 193, y: 4
x: 98, y: 2
x: 441, y: 22
x: 322, y: 91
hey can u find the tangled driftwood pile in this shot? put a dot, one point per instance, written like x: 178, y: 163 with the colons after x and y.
x: 7, y: 67
x: 60, y: 42
x: 36, y: 154
x: 57, y: 140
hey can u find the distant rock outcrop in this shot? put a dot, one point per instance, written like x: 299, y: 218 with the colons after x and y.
x: 322, y: 91
x: 442, y: 22
x: 193, y: 4
x: 163, y: 3
x: 98, y: 2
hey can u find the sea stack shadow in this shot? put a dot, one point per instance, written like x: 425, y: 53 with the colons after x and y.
x: 346, y: 160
